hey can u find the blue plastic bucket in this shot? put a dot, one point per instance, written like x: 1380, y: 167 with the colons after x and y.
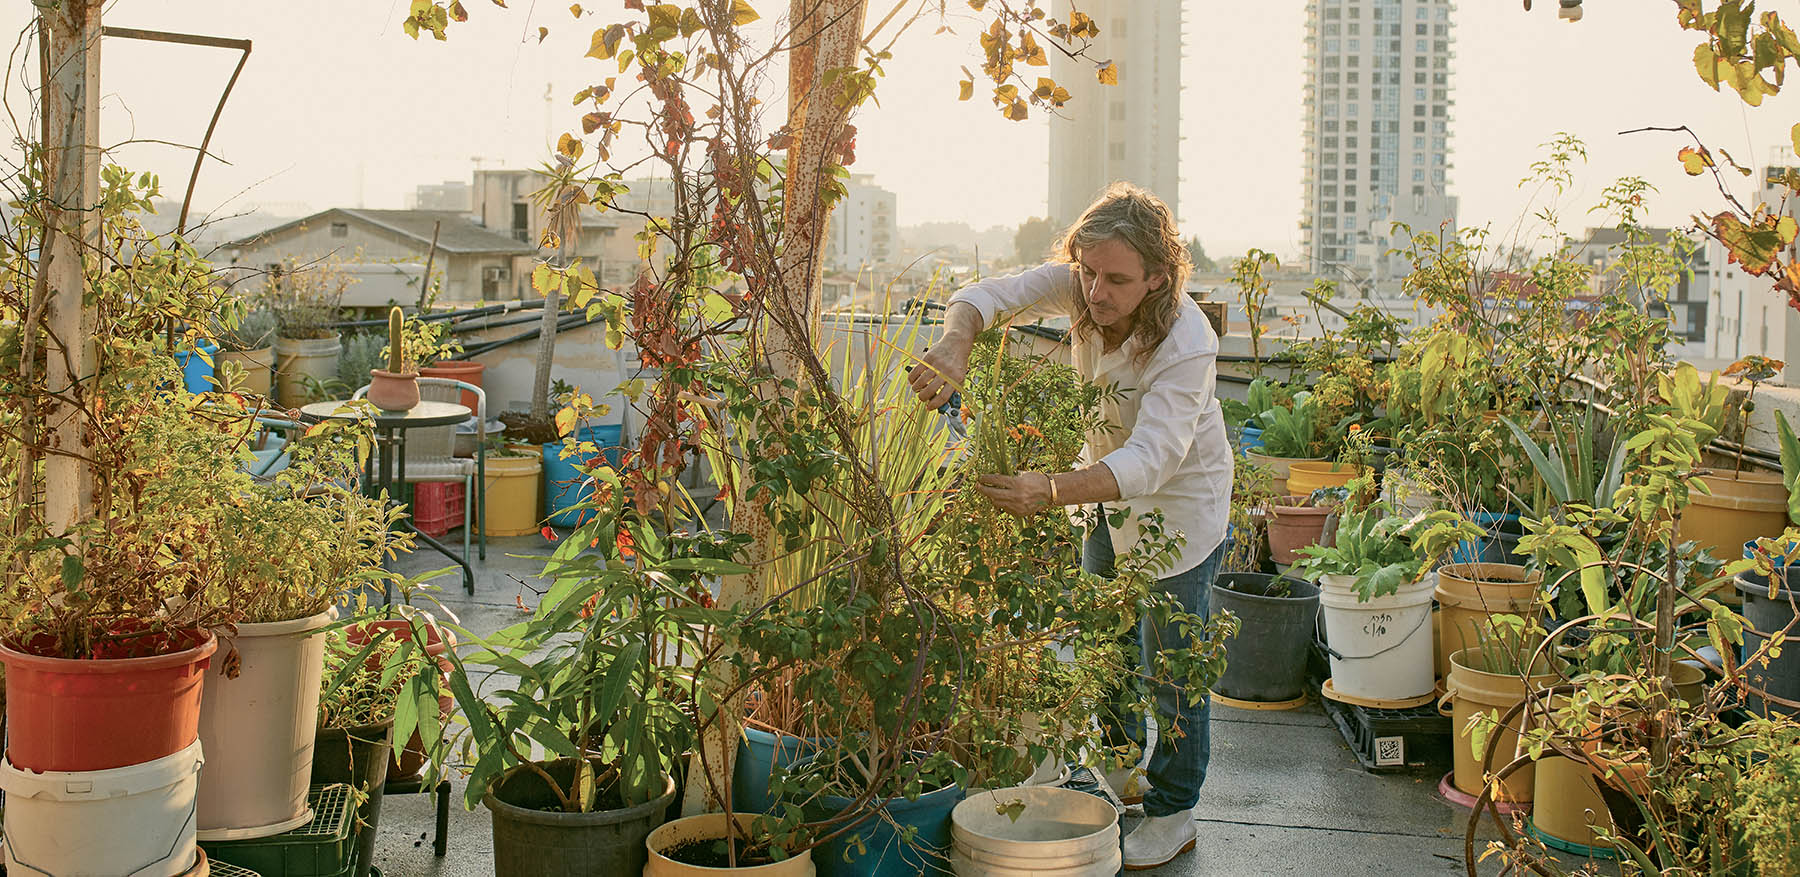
x: 564, y: 484
x: 875, y: 848
x: 1250, y: 438
x: 758, y: 754
x: 1491, y: 548
x: 197, y: 370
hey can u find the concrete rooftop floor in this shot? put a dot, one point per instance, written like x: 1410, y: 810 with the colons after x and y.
x: 1285, y: 793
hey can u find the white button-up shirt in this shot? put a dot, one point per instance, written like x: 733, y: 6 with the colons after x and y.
x: 1169, y: 452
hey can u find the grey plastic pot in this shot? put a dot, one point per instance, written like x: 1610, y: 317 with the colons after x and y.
x: 1767, y: 614
x: 533, y: 842
x: 358, y: 756
x: 1266, y: 661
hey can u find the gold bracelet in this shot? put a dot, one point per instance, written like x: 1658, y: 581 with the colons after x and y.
x: 1053, y: 500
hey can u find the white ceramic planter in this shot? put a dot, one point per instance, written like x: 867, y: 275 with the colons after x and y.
x: 136, y: 820
x: 258, y: 730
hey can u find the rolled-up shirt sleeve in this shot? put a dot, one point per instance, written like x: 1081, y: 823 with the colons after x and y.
x: 1166, y: 424
x: 1033, y: 294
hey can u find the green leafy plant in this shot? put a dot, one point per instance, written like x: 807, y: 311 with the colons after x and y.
x: 1383, y: 551
x: 362, y: 686
x: 1292, y: 432
x: 305, y: 298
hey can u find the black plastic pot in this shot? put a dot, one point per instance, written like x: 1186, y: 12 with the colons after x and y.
x: 1781, y: 677
x: 533, y: 839
x: 358, y: 756
x: 1266, y: 661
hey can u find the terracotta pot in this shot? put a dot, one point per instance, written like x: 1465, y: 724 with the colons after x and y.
x: 65, y: 714
x: 457, y: 369
x: 393, y: 392
x: 1293, y: 526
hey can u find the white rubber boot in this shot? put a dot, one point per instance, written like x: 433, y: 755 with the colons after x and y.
x: 1159, y: 839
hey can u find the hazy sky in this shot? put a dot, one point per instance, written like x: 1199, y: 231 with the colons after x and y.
x: 337, y: 108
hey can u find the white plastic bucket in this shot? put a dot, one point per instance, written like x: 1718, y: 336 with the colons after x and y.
x: 1381, y: 649
x: 1059, y: 833
x: 136, y: 820
x: 259, y: 730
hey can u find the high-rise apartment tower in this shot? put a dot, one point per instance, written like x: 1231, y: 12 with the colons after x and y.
x: 1377, y: 132
x: 1130, y: 131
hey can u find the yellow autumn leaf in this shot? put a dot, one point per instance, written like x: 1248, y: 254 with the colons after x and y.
x: 1794, y: 135
x: 544, y: 279
x: 1108, y: 73
x: 569, y: 146
x: 1694, y: 161
x: 604, y: 42
x: 575, y: 10
x: 742, y: 13
x: 1787, y: 228
x: 565, y: 421
x: 968, y: 91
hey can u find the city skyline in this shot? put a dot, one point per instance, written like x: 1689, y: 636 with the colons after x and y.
x: 371, y: 116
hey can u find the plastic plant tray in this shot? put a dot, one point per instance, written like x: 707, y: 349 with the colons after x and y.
x: 226, y: 869
x: 324, y: 847
x: 1391, y: 741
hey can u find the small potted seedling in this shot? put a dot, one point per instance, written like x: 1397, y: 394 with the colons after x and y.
x: 396, y: 388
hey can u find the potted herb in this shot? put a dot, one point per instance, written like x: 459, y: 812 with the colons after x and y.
x: 1376, y: 601
x: 110, y: 541
x: 304, y: 541
x: 360, y: 692
x: 591, y: 677
x: 395, y: 388
x: 305, y: 301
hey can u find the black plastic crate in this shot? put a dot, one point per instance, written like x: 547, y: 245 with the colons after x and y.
x: 1393, y: 741
x: 226, y: 869
x: 324, y: 847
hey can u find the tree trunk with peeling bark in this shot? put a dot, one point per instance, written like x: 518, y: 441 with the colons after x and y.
x: 827, y: 34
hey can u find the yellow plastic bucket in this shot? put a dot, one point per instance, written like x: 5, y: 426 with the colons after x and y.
x: 1743, y: 506
x: 1471, y: 692
x: 1469, y: 593
x: 512, y: 495
x: 1306, y: 477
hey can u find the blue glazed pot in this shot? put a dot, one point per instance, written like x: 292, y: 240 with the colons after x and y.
x: 874, y: 847
x: 564, y: 484
x: 197, y: 370
x: 759, y: 752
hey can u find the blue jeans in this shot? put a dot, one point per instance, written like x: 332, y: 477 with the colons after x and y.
x: 1178, y: 764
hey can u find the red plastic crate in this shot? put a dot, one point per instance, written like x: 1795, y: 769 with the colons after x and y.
x: 437, y: 507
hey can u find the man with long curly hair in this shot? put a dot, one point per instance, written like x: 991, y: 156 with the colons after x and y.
x: 1119, y: 277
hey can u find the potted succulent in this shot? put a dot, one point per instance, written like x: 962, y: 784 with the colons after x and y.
x: 1376, y: 600
x: 305, y: 303
x: 395, y: 388
x: 304, y: 542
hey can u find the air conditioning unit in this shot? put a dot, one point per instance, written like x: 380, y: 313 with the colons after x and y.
x: 496, y: 273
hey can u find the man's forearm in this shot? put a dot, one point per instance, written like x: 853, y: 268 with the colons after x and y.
x: 962, y: 322
x: 1086, y: 486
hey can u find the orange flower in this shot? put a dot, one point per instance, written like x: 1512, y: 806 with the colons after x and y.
x: 1356, y: 427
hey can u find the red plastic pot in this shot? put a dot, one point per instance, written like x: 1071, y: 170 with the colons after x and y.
x: 405, y: 762
x: 68, y: 714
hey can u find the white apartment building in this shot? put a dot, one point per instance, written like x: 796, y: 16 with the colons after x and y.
x: 1377, y: 129
x: 1130, y: 131
x: 864, y: 231
x: 1748, y: 316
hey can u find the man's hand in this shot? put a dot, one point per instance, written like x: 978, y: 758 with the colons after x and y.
x: 940, y: 371
x: 1024, y: 494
